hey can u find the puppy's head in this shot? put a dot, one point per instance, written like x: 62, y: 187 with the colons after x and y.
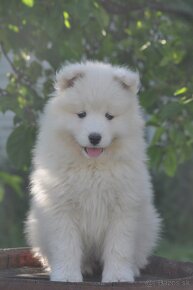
x: 95, y: 104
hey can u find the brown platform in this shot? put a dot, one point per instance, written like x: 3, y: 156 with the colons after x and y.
x: 20, y: 271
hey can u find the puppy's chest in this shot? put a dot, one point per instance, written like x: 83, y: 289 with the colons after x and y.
x: 96, y: 190
x: 96, y: 202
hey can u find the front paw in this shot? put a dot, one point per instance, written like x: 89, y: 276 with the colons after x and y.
x: 66, y: 276
x: 118, y: 274
x: 136, y: 271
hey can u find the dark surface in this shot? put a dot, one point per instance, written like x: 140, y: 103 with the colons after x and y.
x: 20, y: 270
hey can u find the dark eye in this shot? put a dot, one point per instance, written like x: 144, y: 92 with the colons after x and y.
x: 81, y: 115
x: 108, y: 116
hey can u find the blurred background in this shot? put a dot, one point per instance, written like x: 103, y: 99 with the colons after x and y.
x: 154, y: 37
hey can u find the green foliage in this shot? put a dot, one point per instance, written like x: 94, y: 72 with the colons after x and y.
x: 175, y: 202
x: 38, y: 36
x: 19, y: 146
x: 11, y: 210
x: 11, y: 180
x: 175, y: 251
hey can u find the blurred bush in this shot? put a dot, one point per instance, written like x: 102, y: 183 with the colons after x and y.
x: 154, y: 37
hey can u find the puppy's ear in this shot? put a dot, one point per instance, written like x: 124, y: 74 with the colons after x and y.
x: 67, y: 77
x: 128, y: 79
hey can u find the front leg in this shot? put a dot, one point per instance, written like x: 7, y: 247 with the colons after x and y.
x: 118, y: 253
x: 64, y: 251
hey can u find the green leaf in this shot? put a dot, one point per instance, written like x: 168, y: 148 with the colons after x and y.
x: 180, y: 91
x: 2, y: 192
x: 155, y: 153
x: 12, y: 180
x: 19, y: 145
x: 29, y: 3
x: 139, y: 24
x: 170, y: 162
x: 184, y: 100
x: 66, y: 19
x: 102, y: 17
x: 13, y: 28
x: 67, y: 24
x: 157, y: 135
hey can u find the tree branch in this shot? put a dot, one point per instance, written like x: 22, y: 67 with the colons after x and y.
x: 20, y: 76
x: 9, y: 60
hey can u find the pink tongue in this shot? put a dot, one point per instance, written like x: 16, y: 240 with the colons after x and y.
x: 94, y: 152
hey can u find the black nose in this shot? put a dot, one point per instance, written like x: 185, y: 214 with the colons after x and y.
x: 94, y: 138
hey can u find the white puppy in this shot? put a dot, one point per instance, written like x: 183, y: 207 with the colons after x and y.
x: 91, y: 190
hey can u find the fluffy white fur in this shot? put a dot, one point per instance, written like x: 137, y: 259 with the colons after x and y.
x: 86, y: 209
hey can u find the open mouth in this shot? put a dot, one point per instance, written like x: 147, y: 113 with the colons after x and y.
x: 93, y: 152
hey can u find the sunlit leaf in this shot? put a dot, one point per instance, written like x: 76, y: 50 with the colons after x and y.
x: 67, y: 24
x: 66, y: 19
x: 139, y: 24
x: 13, y: 28
x: 180, y: 91
x: 184, y: 100
x: 96, y: 4
x: 163, y: 41
x: 66, y: 15
x: 29, y: 3
x: 145, y: 46
x: 22, y: 101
